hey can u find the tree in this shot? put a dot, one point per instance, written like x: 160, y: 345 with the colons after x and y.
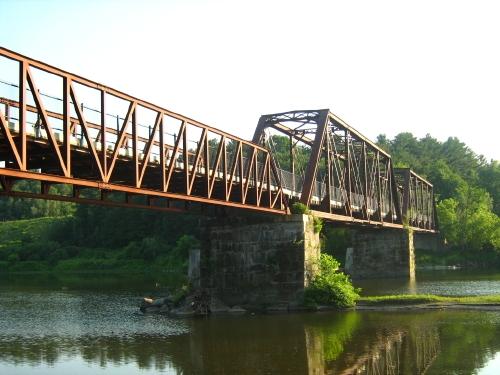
x: 468, y: 222
x: 27, y: 208
x: 489, y: 177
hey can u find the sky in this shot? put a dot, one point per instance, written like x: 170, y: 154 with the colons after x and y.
x: 384, y: 67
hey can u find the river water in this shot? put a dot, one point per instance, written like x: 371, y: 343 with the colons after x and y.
x: 91, y: 325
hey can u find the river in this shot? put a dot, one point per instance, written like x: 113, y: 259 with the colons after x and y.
x: 91, y: 325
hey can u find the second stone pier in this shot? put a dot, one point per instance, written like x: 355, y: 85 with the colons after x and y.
x: 381, y: 253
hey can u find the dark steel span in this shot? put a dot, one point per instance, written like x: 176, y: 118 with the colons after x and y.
x: 57, y: 128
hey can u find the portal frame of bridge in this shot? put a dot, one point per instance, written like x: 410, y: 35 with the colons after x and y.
x: 373, y: 192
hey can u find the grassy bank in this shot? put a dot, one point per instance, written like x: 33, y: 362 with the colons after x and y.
x: 416, y: 299
x: 49, y: 244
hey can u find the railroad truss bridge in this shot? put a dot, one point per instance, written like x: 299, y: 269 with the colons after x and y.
x: 107, y: 147
x: 123, y: 147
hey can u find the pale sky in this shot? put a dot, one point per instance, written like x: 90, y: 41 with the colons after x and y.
x: 382, y: 66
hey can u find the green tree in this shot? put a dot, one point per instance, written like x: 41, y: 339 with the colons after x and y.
x: 489, y: 177
x: 468, y: 221
x: 27, y: 208
x: 448, y: 219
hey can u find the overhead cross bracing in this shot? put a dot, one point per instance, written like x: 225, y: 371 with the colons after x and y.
x: 115, y: 149
x: 345, y: 176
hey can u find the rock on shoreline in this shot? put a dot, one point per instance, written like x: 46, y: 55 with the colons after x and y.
x: 198, y: 303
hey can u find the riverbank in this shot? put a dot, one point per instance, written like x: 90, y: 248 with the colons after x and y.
x: 201, y: 302
x: 58, y: 245
x: 428, y: 302
x: 414, y: 299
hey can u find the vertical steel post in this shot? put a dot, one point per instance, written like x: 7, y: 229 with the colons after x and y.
x: 224, y: 166
x: 185, y: 157
x: 312, y: 165
x: 379, y: 190
x: 365, y: 180
x: 206, y: 162
x: 162, y: 155
x: 348, y: 187
x: 394, y: 193
x: 67, y: 125
x: 406, y: 196
x: 23, y: 67
x: 135, y: 149
x: 240, y: 162
x: 104, y: 147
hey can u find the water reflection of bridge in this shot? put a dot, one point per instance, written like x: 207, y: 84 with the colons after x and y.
x: 387, y: 354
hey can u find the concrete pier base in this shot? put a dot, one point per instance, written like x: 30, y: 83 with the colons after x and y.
x: 259, y: 263
x: 380, y: 253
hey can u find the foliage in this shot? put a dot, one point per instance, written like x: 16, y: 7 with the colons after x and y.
x: 299, y: 208
x: 468, y: 220
x: 317, y: 224
x: 280, y: 147
x: 27, y: 208
x: 45, y: 244
x: 331, y: 287
x: 489, y: 176
x: 460, y: 258
x: 466, y: 186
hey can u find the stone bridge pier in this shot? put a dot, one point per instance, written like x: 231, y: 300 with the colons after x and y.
x: 377, y: 253
x: 269, y: 261
x: 259, y: 261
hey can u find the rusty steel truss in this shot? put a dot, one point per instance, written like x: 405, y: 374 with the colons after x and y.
x: 169, y: 160
x: 347, y: 177
x: 124, y: 151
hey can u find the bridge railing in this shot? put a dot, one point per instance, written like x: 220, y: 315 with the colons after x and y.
x: 117, y: 142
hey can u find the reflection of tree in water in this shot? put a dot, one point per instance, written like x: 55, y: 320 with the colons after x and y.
x: 144, y: 350
x: 468, y: 341
x: 216, y: 345
x: 326, y: 337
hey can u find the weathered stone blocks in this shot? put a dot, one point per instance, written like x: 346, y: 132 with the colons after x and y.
x: 259, y: 263
x: 382, y: 253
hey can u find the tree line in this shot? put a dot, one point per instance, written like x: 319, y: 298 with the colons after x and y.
x: 466, y: 185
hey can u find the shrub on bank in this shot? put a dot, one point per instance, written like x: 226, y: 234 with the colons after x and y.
x: 330, y: 286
